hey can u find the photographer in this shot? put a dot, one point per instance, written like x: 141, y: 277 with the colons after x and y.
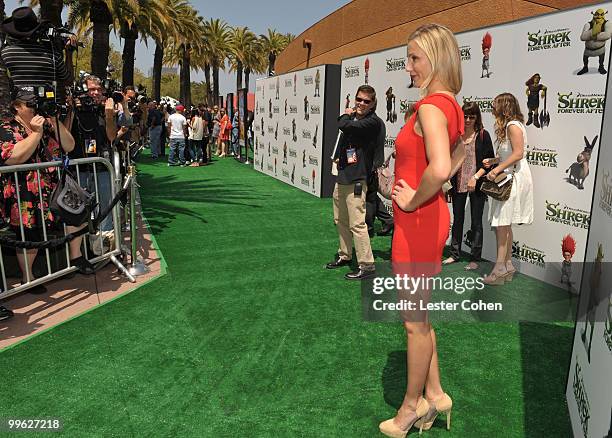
x: 94, y: 125
x: 33, y: 58
x: 134, y: 107
x: 359, y: 147
x: 31, y: 138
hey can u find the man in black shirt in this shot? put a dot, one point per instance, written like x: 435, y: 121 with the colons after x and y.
x: 95, y: 122
x: 359, y: 147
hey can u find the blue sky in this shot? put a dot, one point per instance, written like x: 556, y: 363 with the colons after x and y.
x: 284, y: 15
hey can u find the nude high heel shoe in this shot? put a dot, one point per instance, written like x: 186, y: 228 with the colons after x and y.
x: 495, y: 278
x: 443, y: 405
x: 511, y: 270
x: 389, y: 427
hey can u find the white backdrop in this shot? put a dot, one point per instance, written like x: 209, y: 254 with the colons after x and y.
x: 289, y: 108
x: 589, y: 388
x: 561, y: 208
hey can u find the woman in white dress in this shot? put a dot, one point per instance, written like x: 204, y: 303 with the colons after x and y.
x: 518, y: 209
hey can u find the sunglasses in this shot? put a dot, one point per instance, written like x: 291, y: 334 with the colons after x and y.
x: 469, y: 117
x: 360, y: 100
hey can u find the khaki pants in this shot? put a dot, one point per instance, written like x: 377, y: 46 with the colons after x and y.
x: 349, y: 217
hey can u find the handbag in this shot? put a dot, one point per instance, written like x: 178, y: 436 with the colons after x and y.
x: 386, y: 178
x: 499, y: 189
x: 70, y: 202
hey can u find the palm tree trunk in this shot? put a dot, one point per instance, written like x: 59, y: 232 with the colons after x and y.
x: 52, y: 10
x: 247, y: 73
x: 186, y: 76
x: 101, y: 18
x: 272, y: 61
x: 5, y: 99
x: 207, y: 77
x: 215, y: 73
x: 238, y: 77
x: 129, y: 34
x: 181, y: 83
x: 158, y: 62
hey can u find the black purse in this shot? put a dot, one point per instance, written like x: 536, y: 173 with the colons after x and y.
x: 70, y: 202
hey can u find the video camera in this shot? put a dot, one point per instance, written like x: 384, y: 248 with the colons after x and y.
x: 45, y: 103
x: 58, y: 36
x: 80, y: 91
x: 112, y: 88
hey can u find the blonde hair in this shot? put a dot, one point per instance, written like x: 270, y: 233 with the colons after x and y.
x: 442, y: 50
x: 505, y: 109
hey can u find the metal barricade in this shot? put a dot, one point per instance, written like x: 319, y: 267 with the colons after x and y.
x: 111, y: 254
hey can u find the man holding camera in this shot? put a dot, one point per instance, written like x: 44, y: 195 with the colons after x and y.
x: 359, y: 146
x: 32, y: 57
x: 95, y: 121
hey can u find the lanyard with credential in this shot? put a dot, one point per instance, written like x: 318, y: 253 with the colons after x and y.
x: 334, y: 169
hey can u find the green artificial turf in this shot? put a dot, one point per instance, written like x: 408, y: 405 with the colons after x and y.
x: 248, y: 335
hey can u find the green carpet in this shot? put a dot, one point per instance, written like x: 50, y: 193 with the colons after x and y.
x: 247, y: 335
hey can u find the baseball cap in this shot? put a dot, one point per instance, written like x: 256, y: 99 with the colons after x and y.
x: 180, y: 108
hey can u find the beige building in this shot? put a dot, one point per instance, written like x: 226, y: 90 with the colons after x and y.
x: 365, y: 26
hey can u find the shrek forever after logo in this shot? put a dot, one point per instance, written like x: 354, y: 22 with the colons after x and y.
x: 579, y: 103
x: 605, y: 195
x: 543, y: 157
x: 549, y: 39
x: 395, y: 64
x: 582, y: 399
x: 405, y: 104
x: 389, y: 142
x: 484, y: 103
x: 563, y: 214
x: 351, y: 71
x: 525, y: 253
x: 465, y: 52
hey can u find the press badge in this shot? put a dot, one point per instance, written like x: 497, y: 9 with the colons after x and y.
x: 90, y: 146
x: 351, y: 156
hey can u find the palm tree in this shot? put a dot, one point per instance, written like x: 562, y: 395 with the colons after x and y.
x: 51, y: 10
x: 144, y: 17
x: 98, y: 12
x: 289, y: 37
x: 241, y: 41
x: 216, y: 35
x: 189, y: 28
x: 255, y: 62
x: 161, y: 32
x: 273, y: 43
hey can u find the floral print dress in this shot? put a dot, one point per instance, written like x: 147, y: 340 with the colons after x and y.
x: 30, y: 186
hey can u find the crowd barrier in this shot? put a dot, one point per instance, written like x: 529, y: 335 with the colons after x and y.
x: 57, y: 257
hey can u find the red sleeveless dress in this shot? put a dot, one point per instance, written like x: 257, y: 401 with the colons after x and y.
x: 419, y: 237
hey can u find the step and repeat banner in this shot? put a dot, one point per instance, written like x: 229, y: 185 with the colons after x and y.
x: 589, y: 385
x: 542, y: 62
x: 295, y: 116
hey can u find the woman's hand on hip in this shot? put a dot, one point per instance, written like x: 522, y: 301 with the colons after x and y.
x: 403, y: 195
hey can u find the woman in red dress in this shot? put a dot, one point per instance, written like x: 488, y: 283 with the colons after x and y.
x: 425, y: 158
